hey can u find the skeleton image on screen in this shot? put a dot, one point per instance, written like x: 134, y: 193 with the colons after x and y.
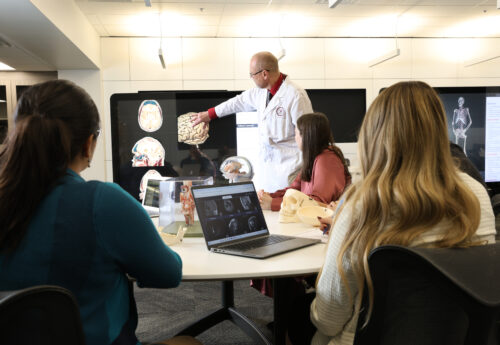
x: 211, y: 208
x: 148, y: 152
x: 144, y: 181
x: 188, y: 134
x: 461, y: 123
x: 150, y: 116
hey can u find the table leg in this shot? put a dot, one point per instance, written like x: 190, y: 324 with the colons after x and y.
x: 281, y: 306
x: 226, y: 312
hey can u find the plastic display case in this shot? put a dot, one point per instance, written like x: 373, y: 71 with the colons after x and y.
x: 177, y: 207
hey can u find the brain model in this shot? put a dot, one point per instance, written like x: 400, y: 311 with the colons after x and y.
x: 150, y: 116
x: 148, y: 152
x: 188, y: 134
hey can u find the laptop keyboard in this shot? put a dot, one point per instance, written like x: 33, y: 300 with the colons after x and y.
x: 258, y: 243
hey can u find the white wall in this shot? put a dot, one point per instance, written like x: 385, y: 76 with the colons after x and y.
x: 132, y: 64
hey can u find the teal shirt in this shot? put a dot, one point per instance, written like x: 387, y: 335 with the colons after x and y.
x: 86, y: 236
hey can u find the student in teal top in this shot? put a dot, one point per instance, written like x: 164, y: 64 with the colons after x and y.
x: 58, y: 229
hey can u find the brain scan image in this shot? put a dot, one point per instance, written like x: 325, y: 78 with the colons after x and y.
x: 144, y: 181
x: 211, y: 208
x: 228, y: 206
x: 148, y: 152
x: 246, y: 203
x: 150, y: 116
x: 188, y: 134
x: 253, y: 224
x: 233, y: 227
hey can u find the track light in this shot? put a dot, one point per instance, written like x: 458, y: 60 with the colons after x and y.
x: 385, y: 57
x: 162, y: 60
x: 481, y: 60
x: 282, y: 54
x: 333, y: 3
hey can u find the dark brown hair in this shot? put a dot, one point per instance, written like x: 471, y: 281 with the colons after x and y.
x: 52, y: 121
x: 316, y: 137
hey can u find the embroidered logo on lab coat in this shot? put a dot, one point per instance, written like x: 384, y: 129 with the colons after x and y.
x: 280, y: 112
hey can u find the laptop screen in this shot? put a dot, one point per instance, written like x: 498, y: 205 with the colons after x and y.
x: 152, y: 194
x: 229, y: 212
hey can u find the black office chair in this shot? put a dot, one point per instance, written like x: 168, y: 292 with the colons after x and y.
x: 40, y: 315
x: 433, y: 296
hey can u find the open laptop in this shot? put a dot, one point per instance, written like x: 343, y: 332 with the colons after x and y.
x: 233, y: 223
x: 151, y: 200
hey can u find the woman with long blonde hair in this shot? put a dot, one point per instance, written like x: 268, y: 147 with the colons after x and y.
x: 410, y: 194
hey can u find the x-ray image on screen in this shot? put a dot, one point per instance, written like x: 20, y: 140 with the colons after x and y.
x: 460, y: 123
x: 465, y: 111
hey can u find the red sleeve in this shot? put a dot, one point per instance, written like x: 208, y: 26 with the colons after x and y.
x: 212, y: 114
x: 278, y: 195
x: 328, y: 179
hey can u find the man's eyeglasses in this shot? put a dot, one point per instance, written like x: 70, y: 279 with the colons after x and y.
x: 254, y: 74
x: 97, y: 133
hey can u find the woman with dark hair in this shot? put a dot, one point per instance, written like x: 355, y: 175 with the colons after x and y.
x: 324, y: 174
x: 58, y: 229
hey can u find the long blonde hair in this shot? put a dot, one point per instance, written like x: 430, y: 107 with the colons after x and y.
x: 409, y: 181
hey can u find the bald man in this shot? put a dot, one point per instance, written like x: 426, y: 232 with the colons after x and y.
x: 279, y: 103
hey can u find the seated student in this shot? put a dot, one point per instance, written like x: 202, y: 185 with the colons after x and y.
x: 58, y: 229
x: 410, y: 193
x: 324, y: 173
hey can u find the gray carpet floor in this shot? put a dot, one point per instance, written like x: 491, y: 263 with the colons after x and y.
x: 164, y: 312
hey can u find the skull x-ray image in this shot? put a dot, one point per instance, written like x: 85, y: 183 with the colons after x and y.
x: 461, y: 123
x: 211, y: 209
x: 228, y: 205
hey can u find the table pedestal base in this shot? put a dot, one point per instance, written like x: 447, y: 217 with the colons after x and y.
x: 226, y: 312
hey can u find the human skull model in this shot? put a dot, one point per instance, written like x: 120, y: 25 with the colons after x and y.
x: 292, y: 201
x: 188, y: 134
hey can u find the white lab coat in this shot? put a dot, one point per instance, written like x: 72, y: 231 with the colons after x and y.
x: 280, y: 158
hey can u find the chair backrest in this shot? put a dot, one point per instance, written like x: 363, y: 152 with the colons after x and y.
x: 40, y: 315
x: 433, y: 296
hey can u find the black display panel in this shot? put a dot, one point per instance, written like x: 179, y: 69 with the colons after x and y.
x: 345, y: 108
x: 473, y: 115
x: 134, y: 156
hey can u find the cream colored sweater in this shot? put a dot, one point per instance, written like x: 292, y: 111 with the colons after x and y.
x: 332, y: 313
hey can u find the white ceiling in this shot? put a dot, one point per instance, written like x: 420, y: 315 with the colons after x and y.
x: 294, y: 18
x: 34, y: 43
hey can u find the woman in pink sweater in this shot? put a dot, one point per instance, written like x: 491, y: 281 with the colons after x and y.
x: 324, y: 174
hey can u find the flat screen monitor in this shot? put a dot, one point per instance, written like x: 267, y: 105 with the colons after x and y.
x: 144, y: 136
x: 144, y: 132
x: 473, y: 115
x: 345, y: 108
